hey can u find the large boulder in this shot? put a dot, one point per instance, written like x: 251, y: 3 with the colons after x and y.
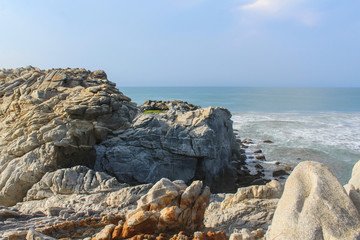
x: 314, y: 205
x: 168, y: 206
x: 51, y: 119
x: 176, y: 141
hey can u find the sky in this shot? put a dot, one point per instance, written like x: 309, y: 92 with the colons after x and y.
x: 245, y: 43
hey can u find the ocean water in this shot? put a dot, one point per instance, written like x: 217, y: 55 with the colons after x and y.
x: 318, y: 124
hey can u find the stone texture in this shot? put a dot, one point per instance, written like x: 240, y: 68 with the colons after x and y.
x: 106, y: 233
x: 34, y: 235
x: 251, y: 207
x: 168, y: 206
x: 271, y: 190
x: 184, y: 143
x: 59, y: 214
x: 79, y: 179
x: 314, y: 205
x: 51, y: 119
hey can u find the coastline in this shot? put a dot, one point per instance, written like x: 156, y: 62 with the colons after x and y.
x: 80, y: 160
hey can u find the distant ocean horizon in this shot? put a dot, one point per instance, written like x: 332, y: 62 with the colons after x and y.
x: 318, y: 124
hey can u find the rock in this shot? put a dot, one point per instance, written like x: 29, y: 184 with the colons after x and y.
x: 245, y: 209
x: 260, y: 157
x: 247, y: 235
x: 258, y: 151
x: 287, y: 168
x: 279, y: 172
x: 79, y: 179
x: 219, y: 235
x: 236, y: 236
x: 355, y: 176
x: 273, y: 189
x: 267, y: 141
x: 168, y: 206
x: 313, y: 203
x: 106, y: 233
x: 116, y: 235
x: 34, y: 235
x: 175, y: 145
x: 353, y: 186
x: 51, y: 119
x: 258, y: 166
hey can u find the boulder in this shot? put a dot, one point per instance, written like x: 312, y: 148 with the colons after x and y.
x: 51, y: 119
x: 183, y: 142
x: 168, y: 206
x: 314, y: 205
x: 251, y: 208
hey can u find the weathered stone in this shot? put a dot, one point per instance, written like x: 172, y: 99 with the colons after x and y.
x: 273, y: 189
x: 243, y: 209
x: 175, y: 145
x: 106, y: 233
x: 79, y: 179
x: 34, y: 235
x: 168, y: 206
x: 51, y: 119
x: 313, y: 203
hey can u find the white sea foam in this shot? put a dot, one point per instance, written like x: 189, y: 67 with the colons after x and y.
x: 330, y: 137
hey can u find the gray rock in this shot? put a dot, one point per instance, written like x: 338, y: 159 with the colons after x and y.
x: 177, y: 144
x: 79, y: 179
x: 314, y: 205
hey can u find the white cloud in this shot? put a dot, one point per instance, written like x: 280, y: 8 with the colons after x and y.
x: 298, y: 10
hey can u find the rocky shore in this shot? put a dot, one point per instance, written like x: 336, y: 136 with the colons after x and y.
x: 79, y: 160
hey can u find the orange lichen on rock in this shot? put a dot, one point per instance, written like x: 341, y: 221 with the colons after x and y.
x: 168, y: 206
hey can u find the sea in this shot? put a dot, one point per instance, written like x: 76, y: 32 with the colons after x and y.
x: 304, y: 124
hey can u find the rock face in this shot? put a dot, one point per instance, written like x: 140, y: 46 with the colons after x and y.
x: 168, y: 206
x: 314, y: 205
x: 250, y: 208
x: 51, y: 119
x: 79, y: 179
x: 182, y: 142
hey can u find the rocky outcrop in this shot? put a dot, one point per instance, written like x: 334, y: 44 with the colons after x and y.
x: 314, y: 205
x: 180, y: 142
x: 51, y: 119
x: 79, y: 179
x: 168, y: 206
x: 74, y: 215
x: 251, y: 208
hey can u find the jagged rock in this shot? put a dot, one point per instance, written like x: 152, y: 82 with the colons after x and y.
x: 168, y: 206
x: 178, y: 144
x: 51, y: 119
x: 164, y: 105
x: 79, y: 179
x: 57, y: 215
x: 251, y: 207
x: 271, y: 190
x: 312, y: 205
x: 34, y: 235
x: 106, y: 233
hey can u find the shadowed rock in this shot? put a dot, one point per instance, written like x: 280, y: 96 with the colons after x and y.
x: 184, y: 142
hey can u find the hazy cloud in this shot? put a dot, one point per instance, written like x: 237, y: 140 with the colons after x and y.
x: 298, y: 10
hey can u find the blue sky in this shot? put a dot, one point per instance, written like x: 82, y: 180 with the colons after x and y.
x: 189, y: 42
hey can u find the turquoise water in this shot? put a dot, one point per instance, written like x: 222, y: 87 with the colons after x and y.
x: 319, y: 124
